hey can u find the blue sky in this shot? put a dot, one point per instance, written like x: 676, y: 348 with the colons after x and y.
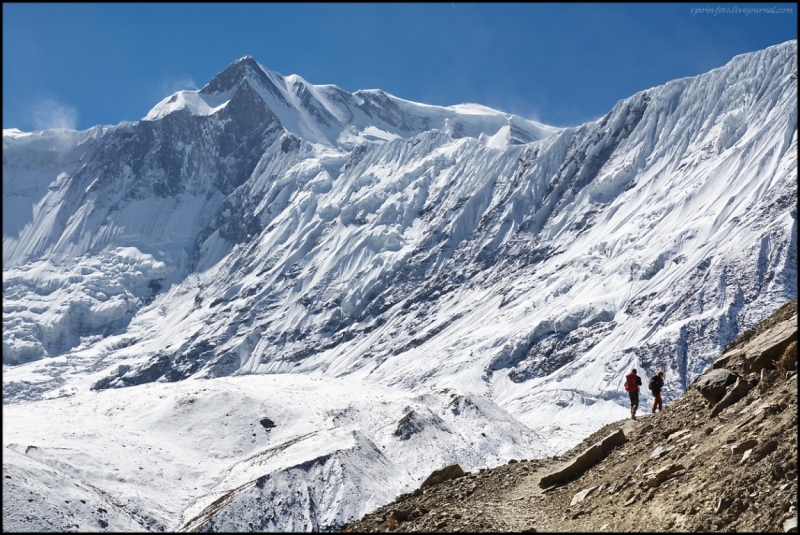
x: 77, y: 65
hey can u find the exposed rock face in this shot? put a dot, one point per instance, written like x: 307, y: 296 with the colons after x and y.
x: 764, y: 350
x: 732, y: 356
x: 407, y: 426
x: 415, y: 422
x: 757, y: 356
x: 756, y: 349
x: 661, y: 451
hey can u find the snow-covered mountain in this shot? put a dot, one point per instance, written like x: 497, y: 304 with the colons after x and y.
x: 403, y: 285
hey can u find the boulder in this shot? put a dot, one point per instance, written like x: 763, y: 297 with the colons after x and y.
x: 618, y: 486
x: 765, y: 349
x: 712, y: 384
x: 742, y: 447
x: 580, y: 496
x: 660, y: 451
x: 654, y: 479
x: 790, y: 525
x: 739, y: 390
x: 677, y: 434
x: 679, y: 473
x: 731, y: 358
x: 399, y: 515
x: 612, y: 441
x: 451, y: 471
x: 586, y: 460
x: 667, y: 432
x: 266, y: 423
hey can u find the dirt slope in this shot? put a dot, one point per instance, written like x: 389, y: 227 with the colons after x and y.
x: 709, y: 485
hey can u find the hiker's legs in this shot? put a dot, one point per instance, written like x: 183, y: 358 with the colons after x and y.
x: 634, y: 403
x: 657, y: 403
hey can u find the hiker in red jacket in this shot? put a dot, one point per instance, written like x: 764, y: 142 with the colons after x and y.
x: 632, y: 384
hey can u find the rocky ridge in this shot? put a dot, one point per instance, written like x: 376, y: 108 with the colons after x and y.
x: 691, y: 467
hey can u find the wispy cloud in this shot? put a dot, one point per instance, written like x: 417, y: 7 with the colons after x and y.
x: 172, y: 84
x: 513, y: 103
x: 49, y: 113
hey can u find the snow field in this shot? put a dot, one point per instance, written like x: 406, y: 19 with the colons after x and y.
x: 172, y: 449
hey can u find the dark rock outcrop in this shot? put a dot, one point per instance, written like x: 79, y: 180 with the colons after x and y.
x: 266, y: 423
x: 451, y: 471
x: 712, y: 385
x: 739, y: 390
x: 407, y: 426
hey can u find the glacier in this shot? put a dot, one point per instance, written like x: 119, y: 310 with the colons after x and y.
x: 393, y: 285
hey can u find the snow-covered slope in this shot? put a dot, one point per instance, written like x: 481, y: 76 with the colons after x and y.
x: 325, y: 241
x: 314, y: 452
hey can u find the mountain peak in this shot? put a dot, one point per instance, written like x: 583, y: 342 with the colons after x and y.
x: 240, y: 69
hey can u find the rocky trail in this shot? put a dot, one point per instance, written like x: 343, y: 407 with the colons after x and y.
x: 722, y: 457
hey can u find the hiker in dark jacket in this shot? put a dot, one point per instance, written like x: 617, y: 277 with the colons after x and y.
x: 656, y: 384
x: 632, y: 384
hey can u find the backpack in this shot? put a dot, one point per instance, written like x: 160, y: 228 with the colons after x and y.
x: 655, y: 384
x: 630, y: 383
